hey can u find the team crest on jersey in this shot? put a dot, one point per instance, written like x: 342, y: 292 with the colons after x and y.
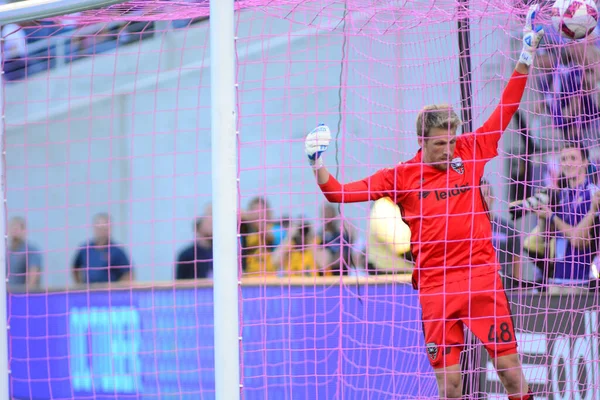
x: 432, y: 350
x: 457, y: 165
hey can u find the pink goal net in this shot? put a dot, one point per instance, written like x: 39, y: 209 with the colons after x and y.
x: 107, y: 157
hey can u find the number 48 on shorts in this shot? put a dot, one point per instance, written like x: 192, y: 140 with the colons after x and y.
x: 500, y: 334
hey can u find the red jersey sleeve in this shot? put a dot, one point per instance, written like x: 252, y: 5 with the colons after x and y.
x: 381, y: 184
x: 487, y: 137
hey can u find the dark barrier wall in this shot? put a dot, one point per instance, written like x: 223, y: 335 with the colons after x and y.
x: 558, y: 341
x: 300, y: 342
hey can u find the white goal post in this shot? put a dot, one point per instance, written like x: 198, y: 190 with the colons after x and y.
x: 224, y: 185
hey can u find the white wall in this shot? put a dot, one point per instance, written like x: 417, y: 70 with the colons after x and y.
x: 128, y: 132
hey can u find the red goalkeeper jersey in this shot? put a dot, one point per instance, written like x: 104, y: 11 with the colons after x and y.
x: 450, y: 230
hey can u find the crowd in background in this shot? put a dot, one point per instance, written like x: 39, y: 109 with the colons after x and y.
x: 559, y: 189
x: 23, y: 57
x: 269, y: 246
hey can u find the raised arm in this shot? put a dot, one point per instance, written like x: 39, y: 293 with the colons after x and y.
x: 382, y: 183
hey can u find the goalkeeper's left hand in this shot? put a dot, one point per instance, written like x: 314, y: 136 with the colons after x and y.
x: 532, y: 34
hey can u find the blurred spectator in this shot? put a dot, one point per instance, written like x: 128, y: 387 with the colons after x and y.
x: 337, y: 243
x: 388, y: 245
x: 506, y: 241
x: 101, y: 259
x: 24, y: 259
x: 300, y: 254
x: 257, y: 239
x: 85, y: 39
x: 15, y: 52
x: 196, y: 260
x: 571, y: 218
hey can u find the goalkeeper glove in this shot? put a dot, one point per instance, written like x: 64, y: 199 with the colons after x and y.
x: 532, y: 35
x: 316, y: 143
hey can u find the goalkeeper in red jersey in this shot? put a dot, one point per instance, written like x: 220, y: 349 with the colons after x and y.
x: 438, y: 193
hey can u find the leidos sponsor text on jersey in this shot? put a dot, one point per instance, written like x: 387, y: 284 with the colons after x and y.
x: 446, y: 194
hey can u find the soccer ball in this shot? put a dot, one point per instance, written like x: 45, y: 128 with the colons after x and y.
x: 574, y: 19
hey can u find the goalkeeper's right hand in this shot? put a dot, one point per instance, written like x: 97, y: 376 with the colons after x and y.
x: 316, y: 143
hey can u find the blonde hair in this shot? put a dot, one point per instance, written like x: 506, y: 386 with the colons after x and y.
x: 436, y: 116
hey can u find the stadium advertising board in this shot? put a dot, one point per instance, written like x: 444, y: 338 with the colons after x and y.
x: 298, y: 341
x: 301, y: 341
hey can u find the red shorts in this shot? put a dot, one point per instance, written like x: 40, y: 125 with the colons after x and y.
x: 481, y: 305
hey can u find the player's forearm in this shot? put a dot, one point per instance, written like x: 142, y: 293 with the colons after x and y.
x: 563, y: 227
x: 581, y: 233
x: 354, y: 192
x: 578, y: 235
x: 522, y: 68
x: 322, y: 175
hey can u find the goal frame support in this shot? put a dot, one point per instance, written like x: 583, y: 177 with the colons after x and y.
x: 4, y: 327
x: 472, y: 355
x: 225, y: 200
x: 224, y: 181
